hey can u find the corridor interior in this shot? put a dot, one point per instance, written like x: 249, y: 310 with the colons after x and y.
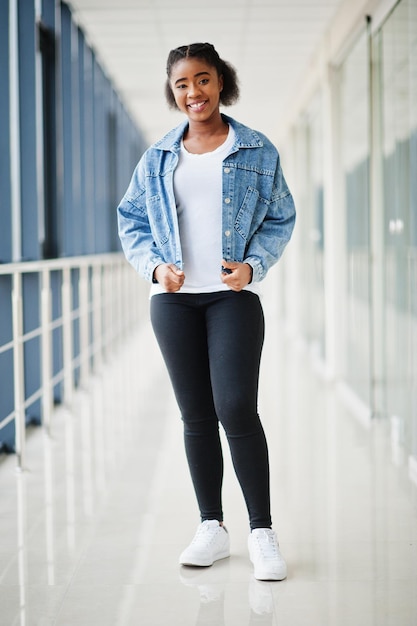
x: 91, y: 530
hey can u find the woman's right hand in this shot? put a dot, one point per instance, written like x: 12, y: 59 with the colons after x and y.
x: 169, y: 277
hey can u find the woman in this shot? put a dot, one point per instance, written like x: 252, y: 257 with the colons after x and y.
x: 207, y: 213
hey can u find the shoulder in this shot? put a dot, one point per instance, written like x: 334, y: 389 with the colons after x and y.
x: 159, y: 151
x: 247, y: 137
x: 172, y: 139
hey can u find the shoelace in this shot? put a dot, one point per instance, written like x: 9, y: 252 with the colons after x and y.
x: 267, y: 544
x: 205, y: 534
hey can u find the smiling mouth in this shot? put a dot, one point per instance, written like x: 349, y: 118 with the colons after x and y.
x: 195, y: 106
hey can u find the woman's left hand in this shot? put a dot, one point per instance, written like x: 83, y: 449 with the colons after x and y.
x: 240, y: 275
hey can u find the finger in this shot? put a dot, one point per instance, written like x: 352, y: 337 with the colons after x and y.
x: 229, y: 267
x: 175, y: 272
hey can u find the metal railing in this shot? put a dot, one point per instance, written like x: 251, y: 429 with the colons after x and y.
x: 100, y: 300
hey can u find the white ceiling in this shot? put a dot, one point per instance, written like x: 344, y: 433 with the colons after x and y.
x: 270, y: 43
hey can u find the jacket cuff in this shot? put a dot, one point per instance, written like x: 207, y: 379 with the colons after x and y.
x: 258, y: 272
x: 152, y: 265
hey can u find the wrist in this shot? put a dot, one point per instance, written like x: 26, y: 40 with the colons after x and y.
x: 250, y: 273
x: 154, y: 278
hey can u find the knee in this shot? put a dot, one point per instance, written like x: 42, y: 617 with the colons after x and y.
x: 200, y: 426
x: 240, y: 420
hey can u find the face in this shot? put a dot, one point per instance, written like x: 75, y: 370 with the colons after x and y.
x: 196, y: 87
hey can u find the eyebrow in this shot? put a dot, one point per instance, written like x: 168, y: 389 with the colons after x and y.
x: 195, y: 76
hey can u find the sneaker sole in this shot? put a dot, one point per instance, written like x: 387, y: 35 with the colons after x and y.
x: 269, y: 576
x: 264, y: 575
x: 201, y: 563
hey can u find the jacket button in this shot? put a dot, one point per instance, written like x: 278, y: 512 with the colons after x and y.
x: 227, y: 200
x: 227, y: 233
x: 227, y: 170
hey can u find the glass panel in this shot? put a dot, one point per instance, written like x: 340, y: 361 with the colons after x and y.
x: 316, y: 234
x: 412, y: 248
x: 309, y: 146
x: 398, y: 86
x: 355, y: 86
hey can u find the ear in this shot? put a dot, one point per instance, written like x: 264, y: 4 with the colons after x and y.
x: 221, y: 82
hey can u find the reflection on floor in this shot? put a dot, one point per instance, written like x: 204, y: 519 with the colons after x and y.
x: 91, y: 532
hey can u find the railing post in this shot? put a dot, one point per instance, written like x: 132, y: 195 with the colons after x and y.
x: 119, y: 303
x: 18, y: 369
x: 83, y: 308
x: 124, y: 297
x: 106, y: 311
x: 97, y: 304
x: 46, y: 352
x: 67, y: 334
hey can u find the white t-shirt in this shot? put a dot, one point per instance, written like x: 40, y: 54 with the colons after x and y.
x: 198, y: 194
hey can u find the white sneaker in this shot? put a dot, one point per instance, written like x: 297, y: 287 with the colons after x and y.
x: 265, y: 555
x: 211, y: 543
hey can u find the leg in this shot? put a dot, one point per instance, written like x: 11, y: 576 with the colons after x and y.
x: 180, y: 330
x: 235, y: 327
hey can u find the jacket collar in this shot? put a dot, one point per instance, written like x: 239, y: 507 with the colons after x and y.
x: 245, y: 137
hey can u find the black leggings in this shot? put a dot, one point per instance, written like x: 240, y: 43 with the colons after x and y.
x: 212, y: 345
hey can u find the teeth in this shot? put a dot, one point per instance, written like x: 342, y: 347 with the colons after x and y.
x: 196, y: 105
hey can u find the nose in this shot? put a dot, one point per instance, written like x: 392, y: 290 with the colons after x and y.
x: 193, y: 90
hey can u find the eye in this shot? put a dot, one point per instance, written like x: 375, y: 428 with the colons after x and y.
x: 204, y: 81
x: 181, y: 86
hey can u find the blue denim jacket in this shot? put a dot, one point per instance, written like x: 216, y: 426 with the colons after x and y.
x: 258, y: 210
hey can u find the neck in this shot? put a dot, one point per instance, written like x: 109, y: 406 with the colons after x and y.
x: 205, y: 136
x: 208, y: 128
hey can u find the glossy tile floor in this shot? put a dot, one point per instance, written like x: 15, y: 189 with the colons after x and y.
x: 91, y: 532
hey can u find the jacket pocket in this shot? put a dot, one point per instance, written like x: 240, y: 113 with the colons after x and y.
x: 251, y: 214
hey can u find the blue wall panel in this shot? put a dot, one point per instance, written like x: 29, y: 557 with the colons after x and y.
x: 28, y: 154
x: 6, y: 361
x: 101, y: 143
x: 29, y: 192
x: 89, y: 149
x: 5, y: 195
x: 67, y: 145
x: 82, y: 131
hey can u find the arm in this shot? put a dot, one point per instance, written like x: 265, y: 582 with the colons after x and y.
x: 134, y: 228
x: 268, y: 243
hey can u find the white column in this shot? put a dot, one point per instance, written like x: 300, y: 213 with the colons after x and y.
x: 333, y: 225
